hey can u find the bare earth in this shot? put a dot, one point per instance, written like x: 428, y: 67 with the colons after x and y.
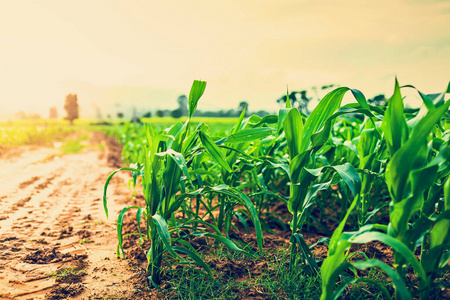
x: 52, y: 222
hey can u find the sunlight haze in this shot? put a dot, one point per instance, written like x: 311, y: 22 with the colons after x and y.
x: 116, y: 55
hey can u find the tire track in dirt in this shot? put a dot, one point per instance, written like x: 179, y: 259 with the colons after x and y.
x: 52, y: 222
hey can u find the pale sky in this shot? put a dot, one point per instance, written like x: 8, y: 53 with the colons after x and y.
x: 146, y: 53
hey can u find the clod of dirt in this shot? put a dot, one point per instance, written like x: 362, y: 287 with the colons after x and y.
x: 232, y: 268
x: 198, y: 242
x: 84, y: 233
x: 45, y: 256
x: 88, y: 218
x: 65, y: 290
x: 65, y: 233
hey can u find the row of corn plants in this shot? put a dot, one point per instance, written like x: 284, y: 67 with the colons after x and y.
x: 364, y: 160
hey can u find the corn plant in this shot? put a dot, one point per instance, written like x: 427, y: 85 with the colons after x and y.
x: 165, y: 176
x: 303, y: 142
x: 411, y: 173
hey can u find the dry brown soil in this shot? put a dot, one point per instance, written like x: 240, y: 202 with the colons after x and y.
x: 52, y: 222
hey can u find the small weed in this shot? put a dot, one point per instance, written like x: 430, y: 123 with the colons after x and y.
x: 66, y: 272
x: 85, y: 241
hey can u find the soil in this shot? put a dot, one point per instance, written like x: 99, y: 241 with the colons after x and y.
x: 56, y: 242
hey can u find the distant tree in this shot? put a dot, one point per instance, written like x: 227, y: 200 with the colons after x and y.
x: 135, y: 117
x: 159, y: 113
x: 33, y: 116
x: 378, y: 100
x: 71, y: 107
x: 300, y: 103
x: 120, y: 115
x: 147, y: 115
x: 53, y: 113
x: 183, y: 105
x: 20, y: 115
x: 176, y: 113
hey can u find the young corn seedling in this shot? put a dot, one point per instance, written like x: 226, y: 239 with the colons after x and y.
x: 303, y: 142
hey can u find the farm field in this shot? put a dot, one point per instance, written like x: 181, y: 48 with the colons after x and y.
x: 350, y: 202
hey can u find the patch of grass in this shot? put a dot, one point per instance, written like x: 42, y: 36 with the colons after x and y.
x: 363, y: 290
x: 66, y: 272
x: 273, y: 281
x: 72, y: 146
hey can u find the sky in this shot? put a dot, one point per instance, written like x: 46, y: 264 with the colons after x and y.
x: 120, y: 54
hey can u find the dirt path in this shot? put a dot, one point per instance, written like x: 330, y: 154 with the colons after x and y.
x: 52, y: 222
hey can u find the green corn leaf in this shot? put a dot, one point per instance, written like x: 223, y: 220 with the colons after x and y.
x: 214, y: 151
x: 394, y: 124
x: 396, y: 279
x: 325, y: 109
x: 139, y: 213
x: 282, y: 114
x: 425, y: 99
x: 254, y: 215
x: 319, y: 138
x: 293, y: 129
x: 311, y: 262
x: 268, y: 119
x: 303, y: 194
x: 105, y: 206
x: 397, y: 172
x: 197, y: 89
x: 119, y: 229
x: 196, y: 257
x: 447, y: 194
x: 402, y: 249
x: 228, y: 243
x: 238, y: 125
x: 248, y: 135
x: 334, y: 264
x: 179, y: 160
x: 163, y: 233
x: 439, y: 242
x: 350, y: 176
